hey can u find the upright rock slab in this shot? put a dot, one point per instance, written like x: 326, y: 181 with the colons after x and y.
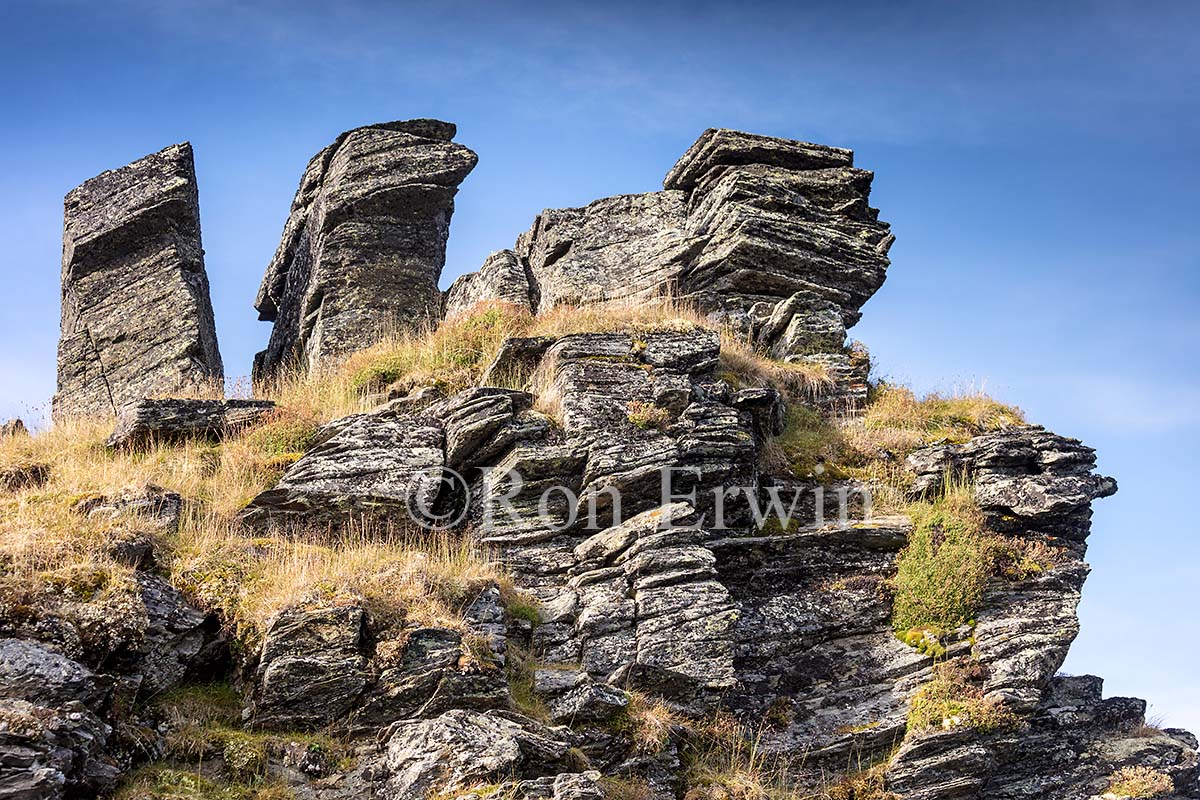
x: 364, y: 245
x: 136, y: 316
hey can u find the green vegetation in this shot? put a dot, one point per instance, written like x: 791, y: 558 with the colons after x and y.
x: 954, y: 699
x: 519, y: 666
x: 942, y: 572
x: 647, y: 415
x: 808, y: 447
x: 1140, y: 782
x: 169, y: 783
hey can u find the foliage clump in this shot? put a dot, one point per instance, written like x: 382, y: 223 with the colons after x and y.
x: 954, y: 699
x: 1140, y: 782
x: 647, y: 416
x: 943, y: 570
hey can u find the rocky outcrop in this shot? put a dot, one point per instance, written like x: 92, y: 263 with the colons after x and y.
x: 1070, y: 748
x: 136, y: 316
x: 502, y: 278
x: 770, y: 236
x: 364, y: 245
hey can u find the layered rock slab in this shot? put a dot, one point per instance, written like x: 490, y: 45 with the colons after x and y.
x: 137, y: 320
x: 364, y: 245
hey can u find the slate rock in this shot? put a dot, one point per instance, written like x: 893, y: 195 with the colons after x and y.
x: 502, y: 278
x: 312, y: 667
x: 745, y: 226
x: 171, y: 420
x: 364, y: 245
x: 462, y: 748
x: 136, y: 316
x: 382, y: 464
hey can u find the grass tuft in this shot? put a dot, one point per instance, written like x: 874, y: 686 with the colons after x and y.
x: 1140, y: 782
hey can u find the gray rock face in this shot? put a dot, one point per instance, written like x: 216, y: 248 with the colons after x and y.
x: 136, y: 316
x: 312, y: 667
x: 502, y: 278
x: 172, y: 420
x: 1073, y: 744
x: 380, y: 464
x: 364, y: 245
x: 772, y: 236
x: 461, y: 748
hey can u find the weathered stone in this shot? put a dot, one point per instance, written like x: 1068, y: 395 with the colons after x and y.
x: 1069, y: 749
x: 172, y: 420
x: 376, y: 464
x: 52, y: 739
x: 180, y: 642
x: 136, y: 316
x: 772, y: 236
x: 462, y: 748
x: 590, y: 703
x: 312, y: 667
x: 502, y: 278
x: 364, y: 245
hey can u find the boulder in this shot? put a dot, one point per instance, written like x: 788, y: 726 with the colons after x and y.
x: 136, y: 316
x: 171, y: 420
x: 364, y: 245
x: 461, y: 748
x: 384, y: 464
x: 312, y: 667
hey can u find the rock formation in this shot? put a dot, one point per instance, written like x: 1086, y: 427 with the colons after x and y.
x: 136, y: 316
x: 364, y: 245
x: 770, y: 236
x: 664, y: 637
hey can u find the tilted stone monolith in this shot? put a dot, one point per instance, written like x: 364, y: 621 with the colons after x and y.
x: 137, y: 320
x: 364, y: 245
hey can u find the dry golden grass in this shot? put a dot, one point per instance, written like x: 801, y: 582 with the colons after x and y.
x: 1140, y: 782
x: 895, y: 422
x: 402, y: 577
x: 454, y: 355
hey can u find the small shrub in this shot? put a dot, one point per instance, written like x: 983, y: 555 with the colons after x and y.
x: 284, y: 431
x: 1019, y: 558
x: 651, y: 722
x: 245, y: 757
x: 943, y: 570
x: 647, y: 415
x: 1140, y: 782
x: 954, y: 699
x: 808, y: 440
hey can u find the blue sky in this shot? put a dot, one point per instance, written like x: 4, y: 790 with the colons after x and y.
x: 1038, y: 165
